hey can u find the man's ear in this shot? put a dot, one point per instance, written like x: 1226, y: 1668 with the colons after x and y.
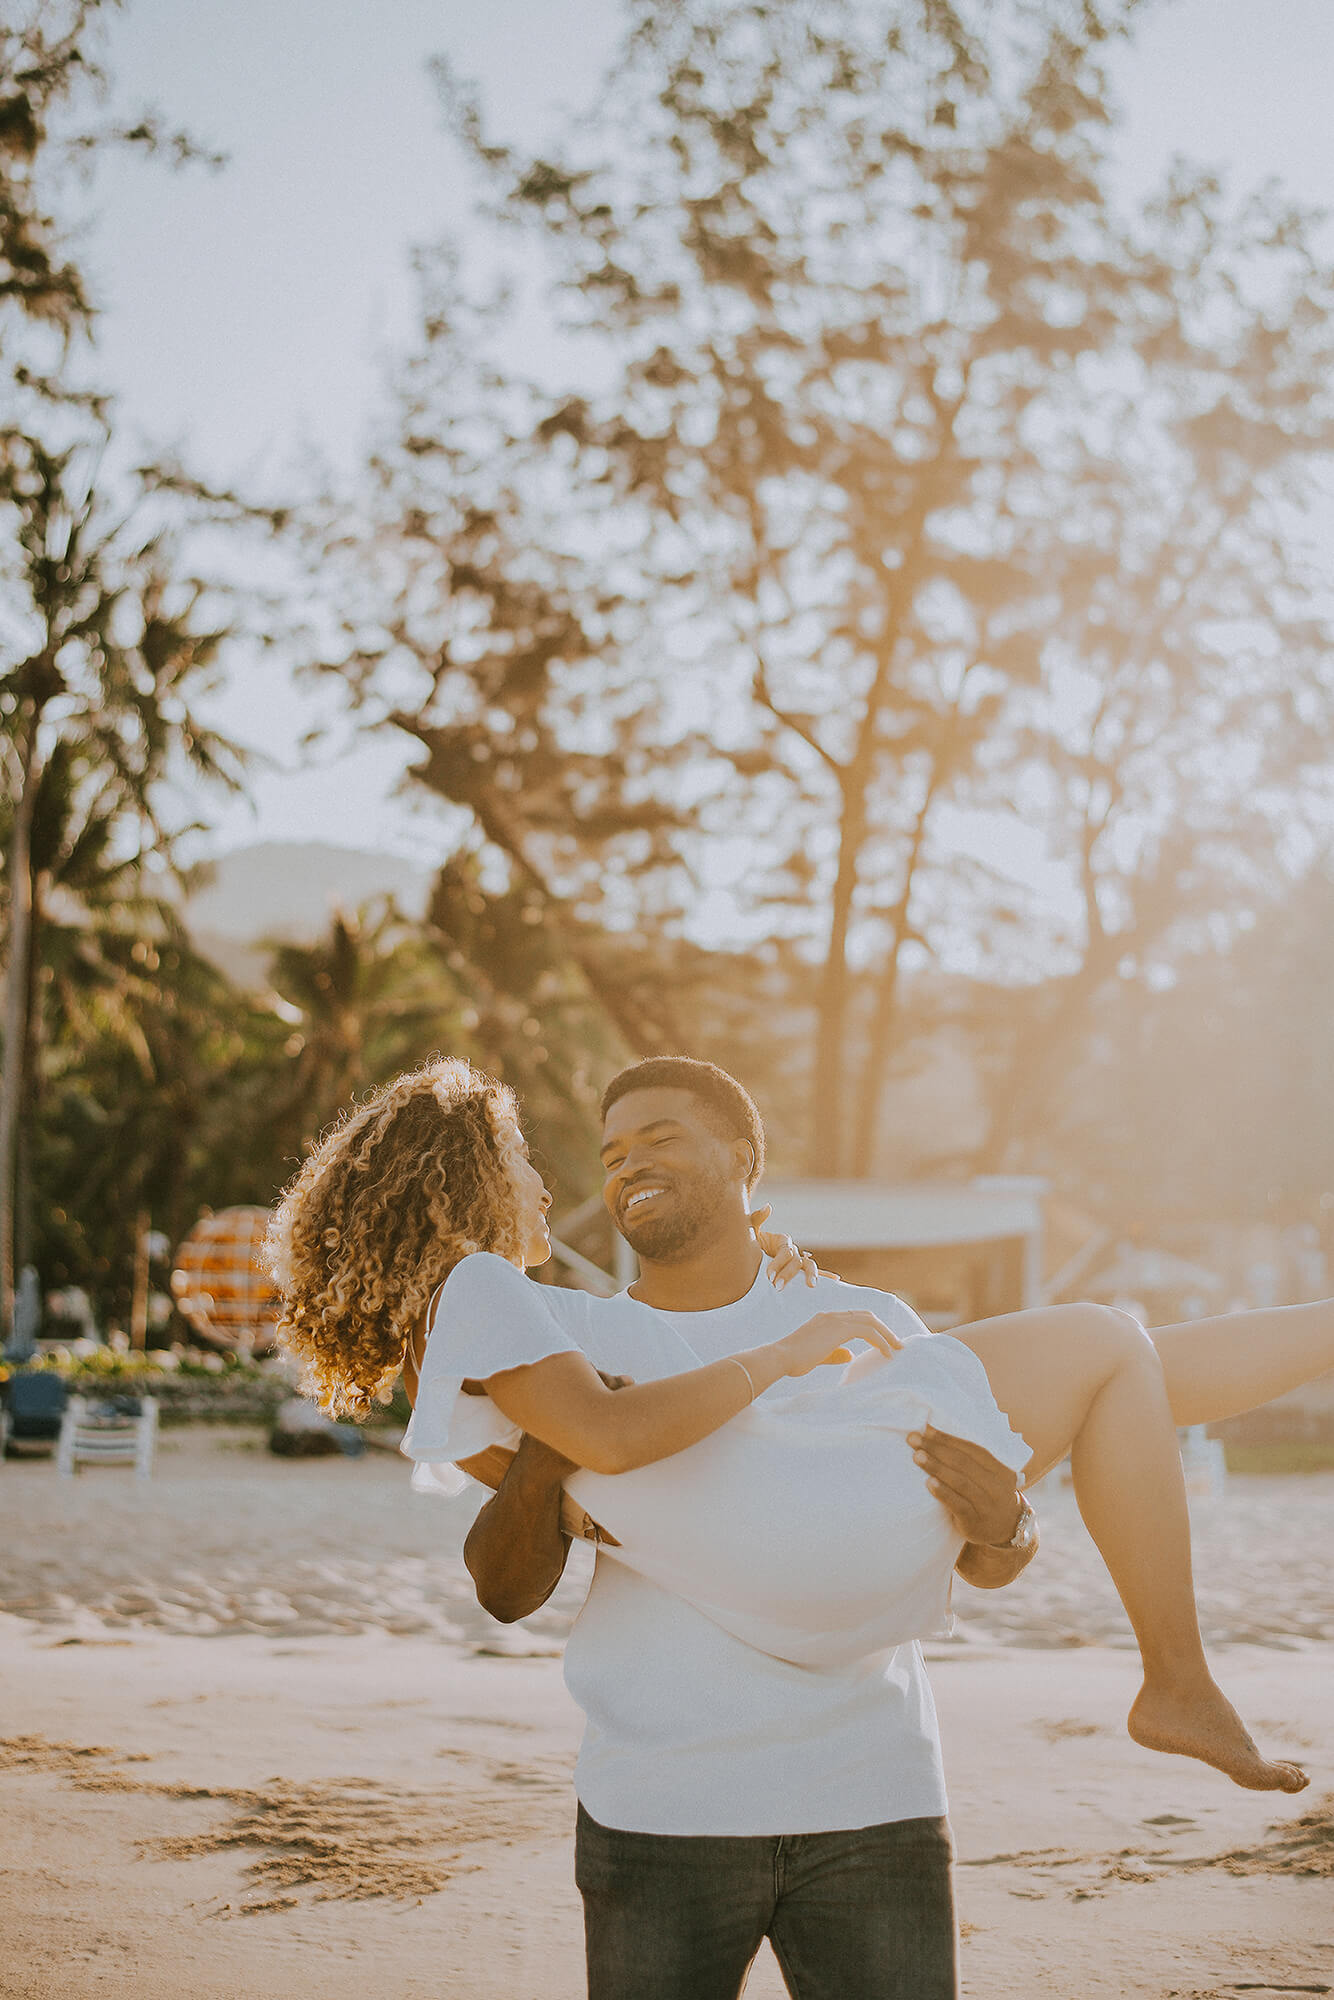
x: 745, y: 1159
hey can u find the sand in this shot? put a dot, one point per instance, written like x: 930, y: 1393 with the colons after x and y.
x: 259, y: 1740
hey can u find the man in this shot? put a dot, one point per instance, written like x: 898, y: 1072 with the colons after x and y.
x: 726, y: 1796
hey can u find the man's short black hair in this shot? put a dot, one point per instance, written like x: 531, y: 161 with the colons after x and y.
x: 733, y: 1109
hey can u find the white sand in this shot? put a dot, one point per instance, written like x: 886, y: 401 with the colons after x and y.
x: 382, y: 1804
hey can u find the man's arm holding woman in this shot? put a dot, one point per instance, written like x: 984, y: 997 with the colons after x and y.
x: 516, y: 1549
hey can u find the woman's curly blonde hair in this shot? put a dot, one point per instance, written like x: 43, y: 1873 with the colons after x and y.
x: 383, y: 1209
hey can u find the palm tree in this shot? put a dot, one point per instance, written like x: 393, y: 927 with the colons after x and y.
x: 98, y: 643
x: 108, y: 654
x: 367, y: 999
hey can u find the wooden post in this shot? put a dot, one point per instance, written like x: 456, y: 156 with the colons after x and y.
x: 12, y: 1090
x: 139, y: 1296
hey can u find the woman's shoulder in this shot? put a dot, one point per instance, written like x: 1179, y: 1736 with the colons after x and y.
x: 483, y: 1280
x: 482, y: 1273
x: 490, y: 1317
x: 569, y: 1308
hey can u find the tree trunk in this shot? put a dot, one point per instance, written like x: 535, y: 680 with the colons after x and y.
x: 1046, y: 1045
x: 139, y: 1293
x: 1044, y: 1042
x: 28, y: 1109
x: 13, y: 1086
x: 829, y: 1148
x: 879, y: 1047
x: 826, y: 1155
x: 884, y: 1017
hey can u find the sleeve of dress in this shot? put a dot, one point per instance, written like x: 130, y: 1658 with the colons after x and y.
x: 963, y: 1403
x: 489, y: 1318
x: 959, y: 1399
x: 900, y: 1318
x: 895, y: 1312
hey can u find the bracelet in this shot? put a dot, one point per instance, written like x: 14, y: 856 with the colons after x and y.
x: 746, y: 1372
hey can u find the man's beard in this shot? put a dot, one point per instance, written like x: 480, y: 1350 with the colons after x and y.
x: 695, y: 1206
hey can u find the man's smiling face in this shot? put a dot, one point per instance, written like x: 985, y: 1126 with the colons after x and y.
x: 670, y: 1174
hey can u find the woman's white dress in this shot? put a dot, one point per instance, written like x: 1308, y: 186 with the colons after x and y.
x: 803, y: 1526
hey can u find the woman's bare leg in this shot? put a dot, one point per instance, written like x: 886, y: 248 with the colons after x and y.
x: 1217, y: 1368
x: 1087, y: 1380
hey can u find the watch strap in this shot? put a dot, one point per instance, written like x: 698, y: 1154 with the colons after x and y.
x: 1025, y: 1527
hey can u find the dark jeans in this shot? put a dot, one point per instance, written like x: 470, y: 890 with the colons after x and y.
x: 862, y: 1915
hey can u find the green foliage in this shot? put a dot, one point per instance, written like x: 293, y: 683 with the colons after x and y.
x: 157, y: 1104
x: 190, y: 1385
x: 486, y: 976
x: 165, y: 1090
x: 1283, y: 1456
x: 111, y: 1371
x: 371, y: 999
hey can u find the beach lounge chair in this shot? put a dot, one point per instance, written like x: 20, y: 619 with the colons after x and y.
x: 119, y: 1431
x: 34, y: 1409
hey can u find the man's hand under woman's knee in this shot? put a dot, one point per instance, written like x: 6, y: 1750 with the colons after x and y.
x: 982, y: 1499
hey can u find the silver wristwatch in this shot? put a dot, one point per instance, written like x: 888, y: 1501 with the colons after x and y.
x: 1025, y: 1536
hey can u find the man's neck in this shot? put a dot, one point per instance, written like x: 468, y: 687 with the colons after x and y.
x: 717, y: 1275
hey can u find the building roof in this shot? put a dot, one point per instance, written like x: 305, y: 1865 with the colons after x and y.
x: 901, y: 1215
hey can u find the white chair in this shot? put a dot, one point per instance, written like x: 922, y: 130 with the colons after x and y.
x: 100, y: 1438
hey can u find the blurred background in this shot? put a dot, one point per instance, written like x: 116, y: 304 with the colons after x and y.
x: 795, y: 534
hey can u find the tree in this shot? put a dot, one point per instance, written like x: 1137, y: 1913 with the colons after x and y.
x: 84, y: 897
x: 460, y: 615
x: 484, y: 976
x: 156, y: 1088
x: 534, y: 1013
x: 101, y: 640
x: 113, y: 649
x: 1206, y: 1101
x: 364, y: 1001
x: 974, y: 490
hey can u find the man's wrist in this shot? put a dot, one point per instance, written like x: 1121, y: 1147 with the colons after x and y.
x: 1023, y: 1536
x: 991, y: 1565
x: 988, y: 1568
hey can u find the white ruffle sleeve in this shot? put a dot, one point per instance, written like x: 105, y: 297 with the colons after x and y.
x: 489, y: 1318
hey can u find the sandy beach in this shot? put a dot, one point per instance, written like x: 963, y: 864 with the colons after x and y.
x: 260, y: 1740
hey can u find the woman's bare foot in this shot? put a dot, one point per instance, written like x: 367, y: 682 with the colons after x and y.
x: 1199, y: 1721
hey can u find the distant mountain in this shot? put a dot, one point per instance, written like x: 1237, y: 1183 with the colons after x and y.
x: 288, y: 890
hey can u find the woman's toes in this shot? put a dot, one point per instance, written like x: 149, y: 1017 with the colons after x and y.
x: 1204, y: 1724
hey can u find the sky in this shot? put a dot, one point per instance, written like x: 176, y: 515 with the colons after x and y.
x: 249, y: 314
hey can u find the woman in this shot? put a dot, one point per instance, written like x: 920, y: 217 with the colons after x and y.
x: 802, y: 1525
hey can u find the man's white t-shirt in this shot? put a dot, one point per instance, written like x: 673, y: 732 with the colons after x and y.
x: 690, y: 1731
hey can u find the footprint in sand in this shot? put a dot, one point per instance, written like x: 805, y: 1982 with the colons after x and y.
x: 1174, y: 1822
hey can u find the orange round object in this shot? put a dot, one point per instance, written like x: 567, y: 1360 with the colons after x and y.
x: 220, y: 1282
